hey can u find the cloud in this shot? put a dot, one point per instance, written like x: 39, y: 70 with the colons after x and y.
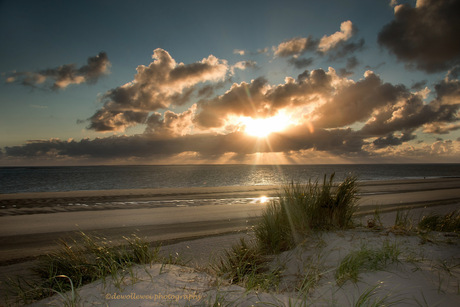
x: 440, y: 128
x: 344, y: 49
x: 295, y: 46
x: 243, y: 65
x: 162, y: 83
x: 65, y: 75
x: 411, y: 112
x: 171, y: 124
x: 331, y: 114
x: 328, y: 42
x: 425, y: 36
x: 241, y: 99
x: 149, y: 145
x: 239, y: 51
x: 335, y: 45
x: 259, y: 99
x: 352, y: 62
x: 392, y: 140
x: 419, y: 85
x: 355, y: 102
x: 336, y: 102
x: 300, y: 62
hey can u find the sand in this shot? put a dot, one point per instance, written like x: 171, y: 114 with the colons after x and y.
x: 30, y: 226
x: 427, y: 273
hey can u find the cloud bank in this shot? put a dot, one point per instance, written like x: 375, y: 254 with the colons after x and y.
x: 368, y: 118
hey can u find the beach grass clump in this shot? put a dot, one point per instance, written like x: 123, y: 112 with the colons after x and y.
x: 246, y: 265
x: 444, y: 223
x: 364, y: 260
x: 81, y: 261
x: 301, y: 209
x: 93, y: 258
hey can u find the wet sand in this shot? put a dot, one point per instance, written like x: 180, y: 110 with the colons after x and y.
x: 32, y: 223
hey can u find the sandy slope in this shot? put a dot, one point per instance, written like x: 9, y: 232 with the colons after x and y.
x: 425, y: 274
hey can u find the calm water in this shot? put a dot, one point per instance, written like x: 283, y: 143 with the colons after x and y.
x: 40, y: 179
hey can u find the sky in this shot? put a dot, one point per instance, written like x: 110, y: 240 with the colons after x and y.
x: 257, y: 82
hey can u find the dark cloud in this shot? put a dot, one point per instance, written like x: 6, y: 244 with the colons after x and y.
x: 419, y: 85
x: 412, y: 112
x: 425, y: 36
x: 392, y: 140
x: 206, y: 145
x: 356, y: 102
x: 157, y: 86
x: 352, y: 62
x: 344, y: 49
x: 64, y: 75
x: 300, y: 63
x: 171, y: 124
x: 343, y: 72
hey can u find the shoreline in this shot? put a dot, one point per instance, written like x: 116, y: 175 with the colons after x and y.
x: 53, y: 202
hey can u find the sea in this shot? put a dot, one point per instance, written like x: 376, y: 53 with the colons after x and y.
x: 75, y: 178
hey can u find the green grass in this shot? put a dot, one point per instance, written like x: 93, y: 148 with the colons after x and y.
x: 370, y: 298
x: 444, y: 223
x: 403, y: 221
x: 366, y: 259
x: 246, y: 265
x: 301, y: 209
x: 81, y: 261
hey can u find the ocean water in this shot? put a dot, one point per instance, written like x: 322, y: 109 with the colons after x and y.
x: 53, y: 179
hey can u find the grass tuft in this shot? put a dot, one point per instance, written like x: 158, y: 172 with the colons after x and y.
x: 81, y: 261
x: 245, y: 264
x: 366, y: 259
x: 301, y: 209
x: 444, y: 223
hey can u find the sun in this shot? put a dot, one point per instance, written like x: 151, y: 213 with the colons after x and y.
x: 262, y: 127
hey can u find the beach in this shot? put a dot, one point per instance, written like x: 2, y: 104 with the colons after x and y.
x: 32, y: 223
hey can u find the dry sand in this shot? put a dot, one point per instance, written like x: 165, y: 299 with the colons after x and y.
x: 30, y: 227
x: 427, y: 273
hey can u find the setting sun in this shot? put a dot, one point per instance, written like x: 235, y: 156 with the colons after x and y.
x: 262, y: 127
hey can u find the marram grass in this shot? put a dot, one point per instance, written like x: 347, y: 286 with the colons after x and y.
x: 301, y: 209
x: 81, y: 261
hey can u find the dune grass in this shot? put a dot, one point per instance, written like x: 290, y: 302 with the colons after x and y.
x: 247, y: 265
x: 444, y: 223
x: 82, y: 261
x: 366, y: 259
x: 301, y: 209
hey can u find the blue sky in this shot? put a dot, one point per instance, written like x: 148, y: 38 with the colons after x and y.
x: 339, y: 82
